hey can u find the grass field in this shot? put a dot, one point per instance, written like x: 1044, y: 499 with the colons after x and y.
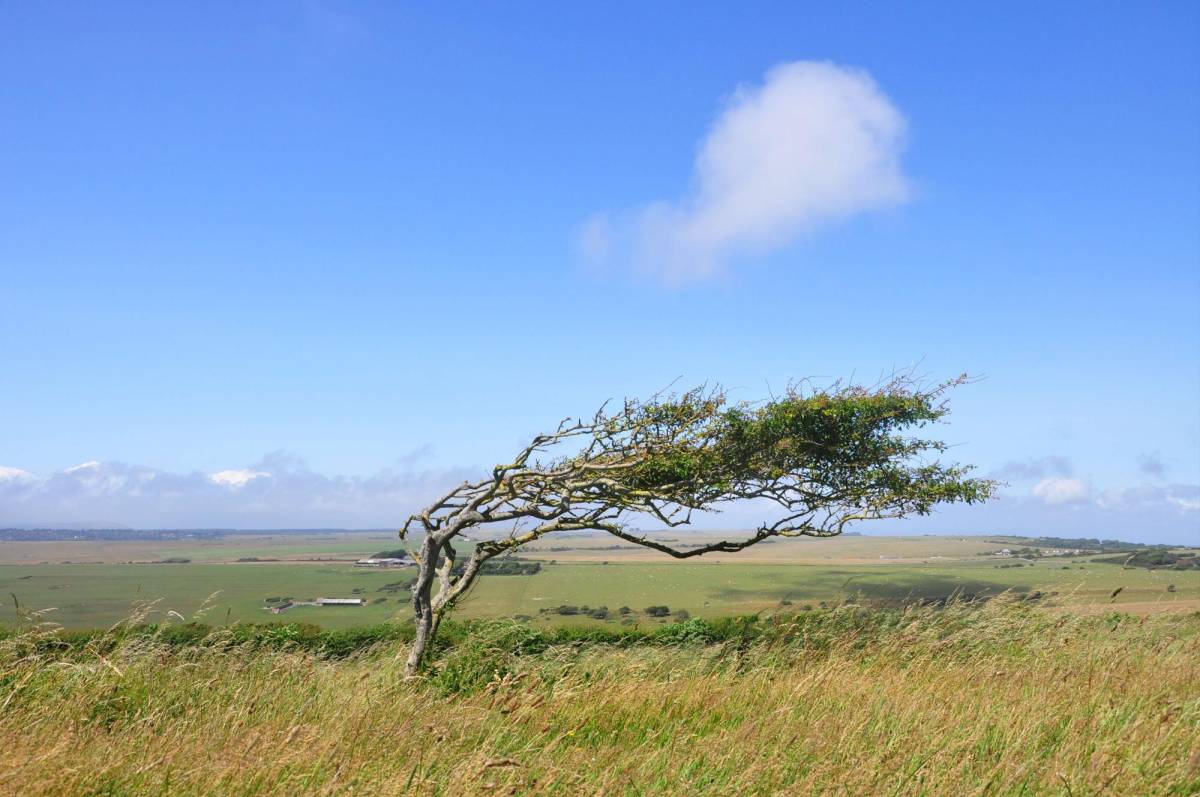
x: 866, y: 569
x: 1007, y: 699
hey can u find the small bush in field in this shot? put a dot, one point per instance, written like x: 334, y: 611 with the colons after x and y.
x: 691, y: 632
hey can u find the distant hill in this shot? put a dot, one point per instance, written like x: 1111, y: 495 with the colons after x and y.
x: 78, y: 526
x: 1156, y: 558
x: 52, y: 533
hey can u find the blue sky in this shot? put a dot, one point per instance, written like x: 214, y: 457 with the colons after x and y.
x: 343, y: 253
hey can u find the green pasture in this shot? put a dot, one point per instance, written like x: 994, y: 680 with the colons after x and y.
x: 85, y: 596
x: 102, y: 594
x: 722, y: 589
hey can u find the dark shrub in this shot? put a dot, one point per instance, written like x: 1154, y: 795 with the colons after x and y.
x: 692, y: 632
x: 183, y: 634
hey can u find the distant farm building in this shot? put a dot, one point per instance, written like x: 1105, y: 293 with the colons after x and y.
x: 385, y: 562
x: 285, y: 605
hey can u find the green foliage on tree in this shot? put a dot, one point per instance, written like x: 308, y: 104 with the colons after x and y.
x: 816, y: 459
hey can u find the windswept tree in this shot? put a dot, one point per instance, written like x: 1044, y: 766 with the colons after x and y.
x: 815, y: 461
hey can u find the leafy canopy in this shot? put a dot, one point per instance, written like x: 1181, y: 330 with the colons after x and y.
x: 848, y: 447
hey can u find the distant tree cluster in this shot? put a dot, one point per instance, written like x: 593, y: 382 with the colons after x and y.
x: 603, y: 613
x: 566, y: 610
x: 395, y: 553
x: 1091, y: 544
x: 1156, y: 558
x: 507, y: 566
x: 510, y: 566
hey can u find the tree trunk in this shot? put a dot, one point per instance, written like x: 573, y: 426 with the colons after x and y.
x: 423, y: 614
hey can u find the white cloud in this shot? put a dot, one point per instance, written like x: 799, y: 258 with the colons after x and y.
x: 814, y: 143
x: 278, y: 491
x: 1056, y: 491
x: 1181, y: 497
x: 13, y: 474
x: 284, y: 493
x: 237, y: 478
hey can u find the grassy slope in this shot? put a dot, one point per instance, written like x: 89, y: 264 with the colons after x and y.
x: 1002, y: 701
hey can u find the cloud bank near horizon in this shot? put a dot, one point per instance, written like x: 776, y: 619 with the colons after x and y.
x: 281, y: 491
x: 816, y: 142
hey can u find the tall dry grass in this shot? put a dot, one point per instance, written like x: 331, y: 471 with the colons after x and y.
x: 1006, y: 700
